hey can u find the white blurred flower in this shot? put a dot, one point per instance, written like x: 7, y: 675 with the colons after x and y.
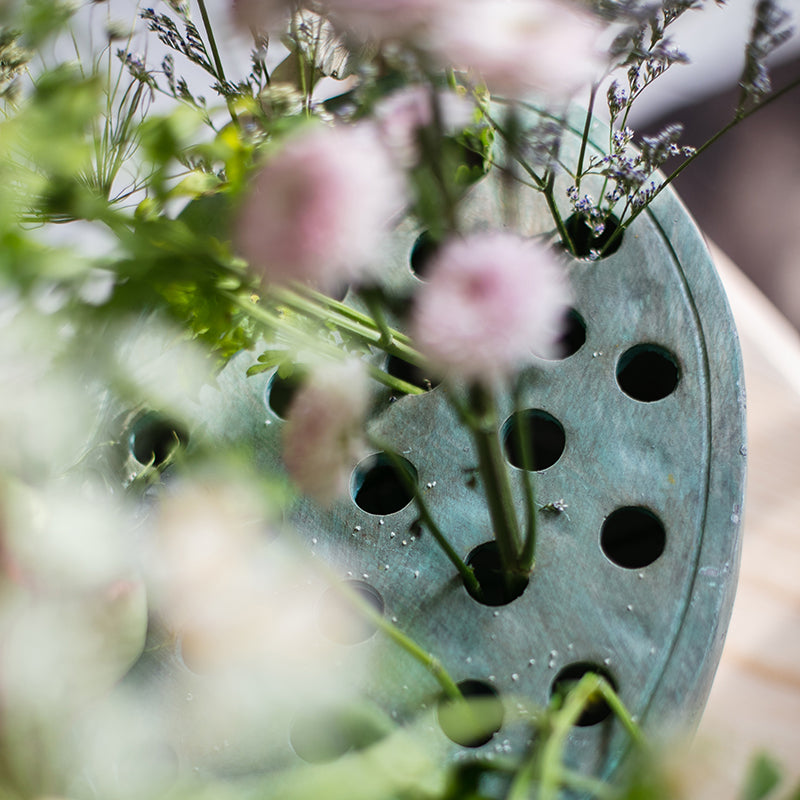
x: 319, y: 208
x: 490, y: 301
x: 245, y: 609
x: 519, y: 46
x: 322, y: 440
x: 73, y: 610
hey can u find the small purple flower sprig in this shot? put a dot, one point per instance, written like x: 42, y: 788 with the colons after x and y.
x: 630, y: 167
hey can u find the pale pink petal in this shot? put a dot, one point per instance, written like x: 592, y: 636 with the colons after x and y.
x: 491, y: 302
x: 319, y: 208
x: 323, y: 435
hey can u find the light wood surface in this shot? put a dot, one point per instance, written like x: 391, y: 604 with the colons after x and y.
x: 755, y: 700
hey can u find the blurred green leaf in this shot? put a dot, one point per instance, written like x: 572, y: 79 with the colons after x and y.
x: 763, y: 776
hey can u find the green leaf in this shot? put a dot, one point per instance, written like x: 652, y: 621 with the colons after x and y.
x: 763, y: 776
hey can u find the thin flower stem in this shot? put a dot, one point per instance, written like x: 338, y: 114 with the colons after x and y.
x: 427, y: 519
x: 346, y: 311
x: 552, y: 754
x: 402, y: 640
x: 372, y: 302
x: 621, y: 712
x: 292, y: 334
x: 212, y: 43
x: 543, y: 184
x: 495, y: 479
x: 524, y: 440
x: 585, y: 136
x: 593, y: 787
x: 368, y: 332
x: 546, y: 760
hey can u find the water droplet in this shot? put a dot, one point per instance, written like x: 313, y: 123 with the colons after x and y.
x: 380, y: 522
x: 393, y: 534
x: 357, y: 528
x: 189, y: 697
x: 514, y: 676
x: 531, y: 662
x: 734, y: 518
x: 495, y: 613
x: 641, y: 575
x: 394, y: 619
x: 469, y: 659
x: 365, y: 575
x: 606, y: 661
x: 314, y: 540
x: 416, y: 573
x: 404, y: 542
x: 492, y: 678
x: 629, y: 607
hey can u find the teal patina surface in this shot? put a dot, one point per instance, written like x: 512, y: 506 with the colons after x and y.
x: 648, y: 601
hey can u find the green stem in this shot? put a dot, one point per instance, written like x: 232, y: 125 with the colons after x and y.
x: 402, y: 640
x: 562, y: 721
x: 585, y: 136
x: 544, y: 185
x: 212, y: 43
x: 372, y: 302
x: 345, y: 311
x: 427, y: 519
x: 524, y: 438
x: 546, y: 759
x: 367, y: 332
x: 585, y: 784
x: 292, y: 334
x: 495, y: 479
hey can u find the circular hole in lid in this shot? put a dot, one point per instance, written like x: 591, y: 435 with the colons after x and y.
x: 473, y: 721
x: 376, y: 487
x: 647, y: 373
x: 538, y: 433
x: 154, y: 439
x: 341, y: 621
x: 589, y: 245
x: 632, y: 537
x: 496, y: 588
x: 422, y: 251
x: 410, y: 373
x: 281, y: 391
x: 596, y: 709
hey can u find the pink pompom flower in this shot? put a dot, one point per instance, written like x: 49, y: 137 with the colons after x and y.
x: 493, y: 301
x: 261, y: 15
x: 519, y: 46
x: 386, y: 19
x: 319, y: 208
x: 323, y: 437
